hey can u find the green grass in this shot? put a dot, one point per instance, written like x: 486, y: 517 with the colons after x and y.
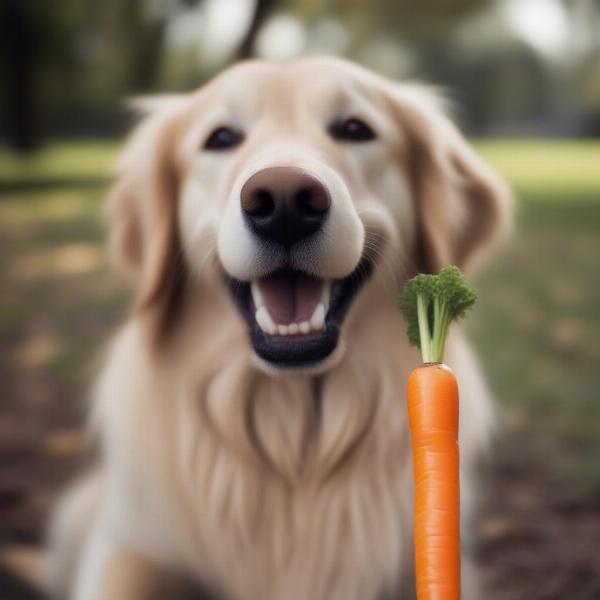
x: 557, y: 168
x: 57, y: 294
x: 536, y: 326
x: 65, y: 160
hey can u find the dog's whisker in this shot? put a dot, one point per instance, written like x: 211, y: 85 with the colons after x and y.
x: 376, y: 255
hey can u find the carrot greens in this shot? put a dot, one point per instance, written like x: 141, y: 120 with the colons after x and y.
x: 429, y: 304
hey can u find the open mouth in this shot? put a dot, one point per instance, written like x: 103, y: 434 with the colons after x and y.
x: 294, y: 318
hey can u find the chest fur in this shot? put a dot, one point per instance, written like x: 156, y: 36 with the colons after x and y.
x: 279, y: 489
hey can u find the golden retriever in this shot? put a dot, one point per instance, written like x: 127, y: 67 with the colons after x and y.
x: 251, y: 412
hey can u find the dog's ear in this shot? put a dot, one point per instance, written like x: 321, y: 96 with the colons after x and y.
x: 142, y: 212
x: 461, y: 204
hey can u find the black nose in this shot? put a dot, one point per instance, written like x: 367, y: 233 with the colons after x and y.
x: 284, y: 204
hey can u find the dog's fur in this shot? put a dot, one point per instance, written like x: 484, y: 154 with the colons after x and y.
x: 256, y: 482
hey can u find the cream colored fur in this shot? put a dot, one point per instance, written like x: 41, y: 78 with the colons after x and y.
x: 259, y: 483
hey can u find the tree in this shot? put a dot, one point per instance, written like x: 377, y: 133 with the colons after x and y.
x: 32, y: 36
x: 76, y: 57
x: 261, y: 13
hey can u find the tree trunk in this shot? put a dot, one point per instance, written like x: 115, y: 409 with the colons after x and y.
x: 143, y: 38
x: 20, y: 39
x: 261, y: 12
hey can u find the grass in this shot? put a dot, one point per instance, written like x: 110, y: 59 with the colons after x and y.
x: 536, y: 327
x: 57, y: 294
x: 64, y: 164
x: 538, y: 324
x: 537, y: 167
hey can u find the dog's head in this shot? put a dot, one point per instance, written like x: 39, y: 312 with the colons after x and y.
x: 296, y: 183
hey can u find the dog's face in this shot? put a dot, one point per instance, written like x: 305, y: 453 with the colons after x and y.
x: 300, y: 181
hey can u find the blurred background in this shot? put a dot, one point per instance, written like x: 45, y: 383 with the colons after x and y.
x: 525, y: 79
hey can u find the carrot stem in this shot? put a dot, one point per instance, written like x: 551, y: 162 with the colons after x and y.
x: 424, y: 332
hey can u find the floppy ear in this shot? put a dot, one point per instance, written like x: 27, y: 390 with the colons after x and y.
x: 142, y: 212
x: 461, y: 204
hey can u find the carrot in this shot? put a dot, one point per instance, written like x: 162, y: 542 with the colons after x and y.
x: 429, y: 304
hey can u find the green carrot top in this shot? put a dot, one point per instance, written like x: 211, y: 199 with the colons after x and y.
x: 429, y: 304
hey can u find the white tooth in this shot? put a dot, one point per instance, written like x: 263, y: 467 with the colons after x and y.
x: 293, y: 328
x: 317, y: 321
x: 272, y: 326
x: 304, y: 327
x: 263, y: 318
x: 256, y: 295
x: 282, y: 329
x: 326, y: 295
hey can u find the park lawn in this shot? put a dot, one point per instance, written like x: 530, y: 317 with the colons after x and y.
x: 63, y: 164
x: 538, y: 323
x: 536, y: 167
x: 536, y: 327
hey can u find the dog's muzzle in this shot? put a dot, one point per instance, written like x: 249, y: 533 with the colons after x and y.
x: 294, y: 316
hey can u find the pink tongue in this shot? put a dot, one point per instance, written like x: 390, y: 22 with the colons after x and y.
x: 290, y: 297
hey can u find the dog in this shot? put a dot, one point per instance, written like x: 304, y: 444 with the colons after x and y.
x: 251, y: 411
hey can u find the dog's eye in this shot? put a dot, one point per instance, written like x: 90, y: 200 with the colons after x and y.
x: 224, y: 138
x: 351, y: 130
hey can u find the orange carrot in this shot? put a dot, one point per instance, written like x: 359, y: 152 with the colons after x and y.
x: 429, y: 304
x: 433, y: 413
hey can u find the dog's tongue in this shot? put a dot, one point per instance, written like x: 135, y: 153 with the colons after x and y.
x: 290, y: 297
